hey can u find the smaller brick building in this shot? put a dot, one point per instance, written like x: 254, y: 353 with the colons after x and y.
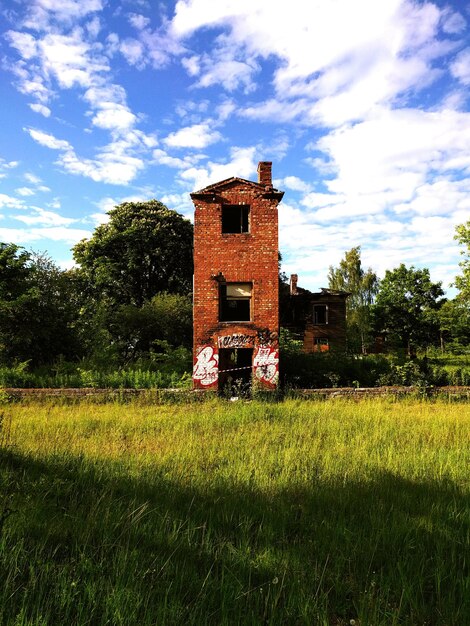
x: 236, y: 286
x: 317, y: 318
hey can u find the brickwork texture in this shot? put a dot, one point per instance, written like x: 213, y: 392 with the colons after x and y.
x: 242, y: 257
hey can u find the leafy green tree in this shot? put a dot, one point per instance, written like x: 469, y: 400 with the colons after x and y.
x: 454, y: 324
x: 462, y: 282
x: 363, y: 286
x: 16, y: 296
x: 164, y: 321
x: 36, y: 311
x: 406, y: 308
x: 144, y: 249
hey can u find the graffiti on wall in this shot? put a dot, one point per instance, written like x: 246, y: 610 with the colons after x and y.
x: 268, y: 338
x: 206, y: 368
x: 237, y: 340
x: 266, y: 365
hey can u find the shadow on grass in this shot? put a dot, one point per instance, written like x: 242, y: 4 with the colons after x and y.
x: 88, y: 544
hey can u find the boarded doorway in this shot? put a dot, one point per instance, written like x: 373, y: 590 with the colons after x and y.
x: 235, y: 370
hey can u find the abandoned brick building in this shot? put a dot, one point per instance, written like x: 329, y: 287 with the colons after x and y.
x: 236, y: 287
x: 317, y: 319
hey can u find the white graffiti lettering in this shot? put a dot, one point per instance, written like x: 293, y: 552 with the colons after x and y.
x: 206, y: 368
x: 266, y: 364
x: 235, y: 341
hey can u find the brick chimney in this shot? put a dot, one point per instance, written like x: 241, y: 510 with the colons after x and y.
x: 264, y: 173
x: 293, y: 284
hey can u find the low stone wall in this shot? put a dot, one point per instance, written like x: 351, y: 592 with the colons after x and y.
x: 371, y: 392
x: 157, y: 395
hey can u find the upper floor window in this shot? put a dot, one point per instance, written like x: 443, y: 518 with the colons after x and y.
x: 235, y: 218
x: 235, y: 302
x: 320, y: 314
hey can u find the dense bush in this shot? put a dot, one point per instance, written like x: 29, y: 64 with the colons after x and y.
x: 332, y: 369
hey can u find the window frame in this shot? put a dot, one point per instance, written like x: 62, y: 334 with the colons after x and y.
x: 315, y: 316
x: 224, y: 299
x: 244, y: 211
x: 321, y: 344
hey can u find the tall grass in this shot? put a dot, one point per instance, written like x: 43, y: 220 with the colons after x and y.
x: 236, y: 513
x: 131, y: 378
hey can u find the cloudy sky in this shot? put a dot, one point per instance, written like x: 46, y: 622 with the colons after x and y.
x: 362, y: 106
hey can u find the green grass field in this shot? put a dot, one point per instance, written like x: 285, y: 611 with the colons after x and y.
x: 328, y: 513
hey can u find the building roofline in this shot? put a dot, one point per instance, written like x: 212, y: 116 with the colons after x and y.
x: 228, y: 182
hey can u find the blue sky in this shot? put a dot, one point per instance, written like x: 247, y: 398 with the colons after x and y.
x: 362, y: 106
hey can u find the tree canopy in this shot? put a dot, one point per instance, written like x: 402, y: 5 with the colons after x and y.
x: 144, y: 249
x: 36, y: 309
x: 363, y: 286
x: 406, y: 307
x: 462, y: 282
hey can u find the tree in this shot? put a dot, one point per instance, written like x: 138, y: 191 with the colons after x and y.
x: 164, y: 321
x: 36, y: 309
x: 406, y: 307
x: 454, y: 324
x: 462, y: 282
x: 144, y: 249
x: 363, y: 286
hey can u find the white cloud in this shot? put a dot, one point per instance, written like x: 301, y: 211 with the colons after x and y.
x: 229, y: 73
x: 42, y: 13
x: 452, y: 22
x: 114, y: 116
x: 5, y: 166
x: 44, y: 218
x: 294, y: 183
x: 66, y: 264
x: 93, y: 27
x: 134, y: 52
x: 75, y: 60
x: 32, y: 178
x: 70, y: 59
x: 25, y: 191
x: 441, y: 197
x: 24, y: 43
x: 139, y: 21
x: 55, y: 233
x: 242, y: 164
x: 196, y: 136
x: 41, y: 109
x: 460, y: 68
x: 180, y: 202
x: 192, y: 65
x: 163, y: 158
x: 109, y: 167
x: 149, y: 47
x: 392, y: 154
x: 54, y: 204
x: 48, y: 140
x: 379, y: 51
x: 10, y: 202
x: 112, y: 165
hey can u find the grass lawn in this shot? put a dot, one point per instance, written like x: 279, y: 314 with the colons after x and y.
x: 301, y: 512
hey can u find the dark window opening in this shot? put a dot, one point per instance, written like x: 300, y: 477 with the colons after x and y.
x: 320, y: 314
x: 236, y: 218
x: 235, y: 302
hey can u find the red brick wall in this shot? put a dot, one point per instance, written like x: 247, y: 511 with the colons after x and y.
x: 244, y: 257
